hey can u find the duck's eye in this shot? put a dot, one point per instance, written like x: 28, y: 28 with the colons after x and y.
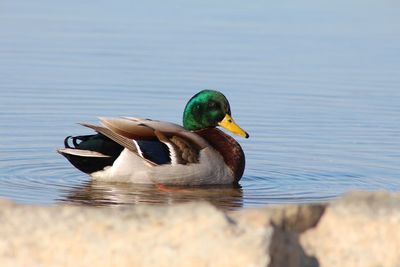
x: 212, y: 104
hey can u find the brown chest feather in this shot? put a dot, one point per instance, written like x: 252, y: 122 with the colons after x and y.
x: 230, y: 150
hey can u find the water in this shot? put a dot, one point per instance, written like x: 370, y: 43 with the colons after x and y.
x: 315, y: 84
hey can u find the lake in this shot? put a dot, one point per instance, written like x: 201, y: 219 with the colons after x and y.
x: 316, y: 85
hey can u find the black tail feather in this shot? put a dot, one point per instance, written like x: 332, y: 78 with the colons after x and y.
x: 98, y: 143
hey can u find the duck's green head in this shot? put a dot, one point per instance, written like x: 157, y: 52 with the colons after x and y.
x: 207, y: 109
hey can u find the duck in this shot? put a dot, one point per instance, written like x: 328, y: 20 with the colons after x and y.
x: 146, y: 151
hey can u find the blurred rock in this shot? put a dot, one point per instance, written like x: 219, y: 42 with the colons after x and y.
x: 288, y: 222
x: 360, y: 229
x: 183, y: 235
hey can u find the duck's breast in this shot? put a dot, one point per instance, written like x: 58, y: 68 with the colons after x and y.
x: 228, y: 147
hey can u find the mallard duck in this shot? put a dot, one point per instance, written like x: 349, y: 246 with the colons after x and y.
x: 154, y: 152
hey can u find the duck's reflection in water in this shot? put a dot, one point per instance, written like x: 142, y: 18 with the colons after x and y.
x: 227, y: 197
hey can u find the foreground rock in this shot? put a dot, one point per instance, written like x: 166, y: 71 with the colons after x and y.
x: 358, y: 230
x: 183, y: 235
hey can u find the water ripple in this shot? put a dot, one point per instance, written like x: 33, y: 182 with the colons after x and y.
x: 321, y: 109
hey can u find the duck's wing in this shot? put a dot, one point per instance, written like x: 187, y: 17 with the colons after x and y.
x: 155, y: 141
x: 136, y: 128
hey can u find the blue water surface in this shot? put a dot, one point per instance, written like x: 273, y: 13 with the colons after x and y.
x: 316, y: 84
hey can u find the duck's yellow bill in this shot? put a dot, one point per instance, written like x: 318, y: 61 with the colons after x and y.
x: 229, y: 124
